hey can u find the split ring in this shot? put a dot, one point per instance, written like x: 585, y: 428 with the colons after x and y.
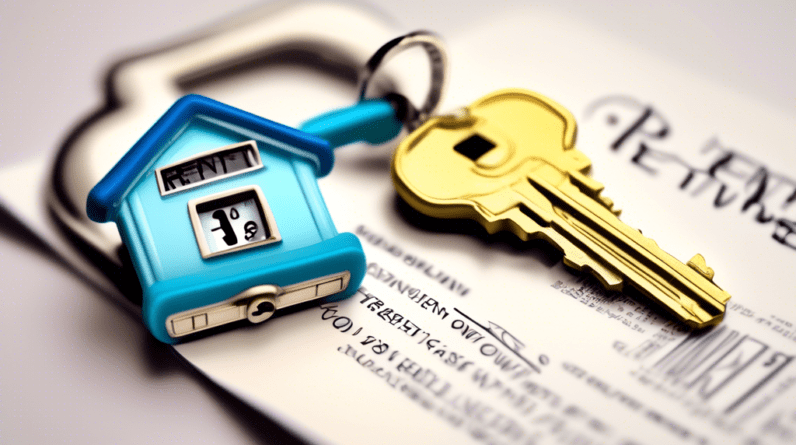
x: 411, y: 117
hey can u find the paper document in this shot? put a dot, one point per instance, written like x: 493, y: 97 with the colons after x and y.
x: 460, y: 337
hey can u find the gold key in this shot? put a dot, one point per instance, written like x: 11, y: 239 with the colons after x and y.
x: 508, y: 161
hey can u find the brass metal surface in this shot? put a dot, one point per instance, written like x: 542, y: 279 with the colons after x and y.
x: 509, y: 162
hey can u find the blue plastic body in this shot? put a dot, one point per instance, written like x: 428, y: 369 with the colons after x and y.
x: 159, y: 234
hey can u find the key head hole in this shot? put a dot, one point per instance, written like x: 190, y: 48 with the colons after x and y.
x: 474, y: 147
x: 264, y: 308
x: 260, y: 309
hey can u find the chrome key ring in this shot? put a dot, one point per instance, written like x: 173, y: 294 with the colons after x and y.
x: 411, y: 117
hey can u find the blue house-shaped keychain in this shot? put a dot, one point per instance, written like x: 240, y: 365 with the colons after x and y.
x: 221, y: 213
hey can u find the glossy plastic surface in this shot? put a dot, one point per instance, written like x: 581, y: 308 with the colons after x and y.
x: 157, y: 228
x: 106, y: 196
x: 372, y: 121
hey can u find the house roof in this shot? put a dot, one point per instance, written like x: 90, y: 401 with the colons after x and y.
x: 105, y: 198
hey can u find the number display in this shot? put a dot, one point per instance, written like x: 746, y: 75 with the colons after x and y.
x: 232, y: 221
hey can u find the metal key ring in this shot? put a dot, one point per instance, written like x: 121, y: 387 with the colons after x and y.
x: 411, y: 117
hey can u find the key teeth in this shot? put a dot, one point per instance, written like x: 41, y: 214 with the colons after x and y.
x: 609, y: 280
x: 592, y: 188
x: 700, y: 266
x: 606, y: 277
x: 608, y: 203
x: 577, y: 259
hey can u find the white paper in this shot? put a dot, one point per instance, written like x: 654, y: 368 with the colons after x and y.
x: 461, y: 338
x: 576, y: 365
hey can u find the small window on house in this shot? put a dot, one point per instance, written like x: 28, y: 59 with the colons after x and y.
x: 209, y: 166
x: 233, y: 220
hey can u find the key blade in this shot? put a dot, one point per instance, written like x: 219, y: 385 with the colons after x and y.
x: 595, y: 230
x: 531, y: 216
x: 512, y: 212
